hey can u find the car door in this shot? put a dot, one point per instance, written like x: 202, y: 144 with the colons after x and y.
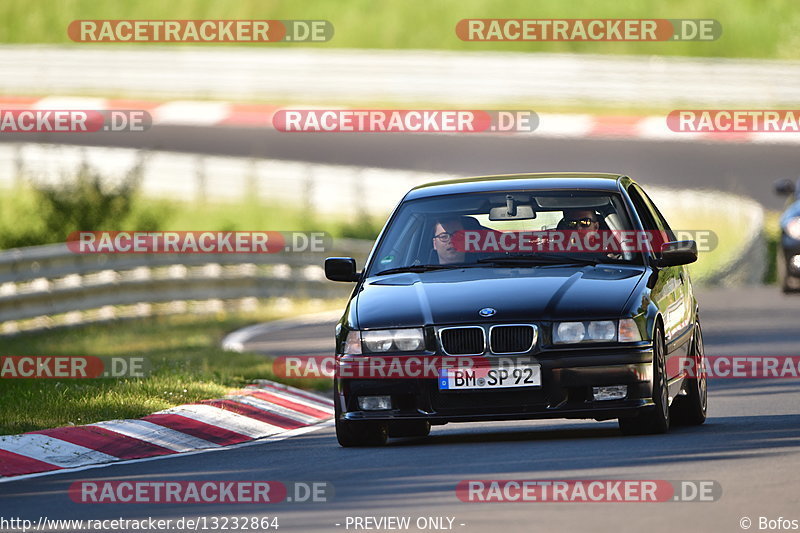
x: 671, y: 293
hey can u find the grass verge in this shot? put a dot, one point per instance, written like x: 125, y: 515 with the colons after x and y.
x: 751, y: 28
x: 18, y: 228
x: 183, y: 352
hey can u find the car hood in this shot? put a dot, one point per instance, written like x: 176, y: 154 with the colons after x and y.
x: 517, y: 294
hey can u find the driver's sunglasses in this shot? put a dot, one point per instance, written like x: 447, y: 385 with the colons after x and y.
x: 581, y: 222
x: 445, y: 236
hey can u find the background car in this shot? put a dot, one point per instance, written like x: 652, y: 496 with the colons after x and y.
x: 586, y: 334
x: 789, y: 247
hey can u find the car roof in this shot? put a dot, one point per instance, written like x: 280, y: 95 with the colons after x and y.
x: 590, y: 181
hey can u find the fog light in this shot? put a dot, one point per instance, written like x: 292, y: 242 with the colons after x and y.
x: 795, y: 262
x: 374, y: 403
x: 615, y: 392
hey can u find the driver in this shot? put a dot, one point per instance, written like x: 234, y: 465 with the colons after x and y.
x: 443, y: 240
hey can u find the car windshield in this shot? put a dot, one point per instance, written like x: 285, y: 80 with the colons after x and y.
x: 515, y: 228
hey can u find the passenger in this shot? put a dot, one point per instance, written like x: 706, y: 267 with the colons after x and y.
x: 581, y: 219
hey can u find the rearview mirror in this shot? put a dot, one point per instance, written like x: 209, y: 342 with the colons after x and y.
x: 341, y: 269
x: 677, y: 253
x: 784, y: 187
x: 512, y: 210
x: 521, y: 212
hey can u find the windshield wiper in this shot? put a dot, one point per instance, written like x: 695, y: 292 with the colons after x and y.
x: 418, y: 268
x: 544, y: 259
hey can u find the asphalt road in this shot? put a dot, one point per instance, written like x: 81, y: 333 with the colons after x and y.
x: 750, y: 445
x: 743, y: 168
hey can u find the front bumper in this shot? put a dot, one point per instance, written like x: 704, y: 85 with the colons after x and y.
x: 567, y: 379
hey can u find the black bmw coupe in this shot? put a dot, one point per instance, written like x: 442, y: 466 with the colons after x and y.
x: 519, y: 297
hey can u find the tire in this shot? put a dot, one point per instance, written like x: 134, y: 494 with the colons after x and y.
x: 691, y: 409
x: 409, y: 428
x: 656, y: 419
x: 352, y: 433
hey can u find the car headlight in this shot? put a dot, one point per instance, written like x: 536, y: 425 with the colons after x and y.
x: 590, y: 331
x: 402, y: 340
x: 602, y: 330
x: 793, y: 228
x: 569, y: 332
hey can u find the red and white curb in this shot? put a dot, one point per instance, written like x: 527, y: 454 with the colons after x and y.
x: 216, y: 113
x: 266, y: 409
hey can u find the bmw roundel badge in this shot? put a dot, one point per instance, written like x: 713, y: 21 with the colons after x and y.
x: 487, y: 312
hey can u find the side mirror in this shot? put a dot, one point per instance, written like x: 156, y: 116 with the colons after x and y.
x: 784, y: 187
x: 677, y: 253
x: 341, y: 269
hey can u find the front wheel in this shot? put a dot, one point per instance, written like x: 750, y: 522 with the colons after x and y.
x: 690, y: 409
x: 656, y: 419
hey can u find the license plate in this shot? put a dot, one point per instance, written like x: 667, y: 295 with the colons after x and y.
x: 528, y: 375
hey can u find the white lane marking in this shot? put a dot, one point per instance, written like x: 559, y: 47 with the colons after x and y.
x: 189, y: 112
x: 273, y: 438
x: 302, y: 400
x: 71, y: 102
x: 155, y: 434
x: 229, y: 420
x: 51, y: 450
x: 272, y: 408
x: 563, y: 125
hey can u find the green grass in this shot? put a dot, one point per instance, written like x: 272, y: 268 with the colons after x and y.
x: 751, y: 28
x: 728, y: 230
x: 702, y: 214
x: 18, y: 228
x: 183, y: 353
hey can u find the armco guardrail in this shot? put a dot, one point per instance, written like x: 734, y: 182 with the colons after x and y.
x: 333, y: 76
x: 46, y: 286
x: 346, y: 191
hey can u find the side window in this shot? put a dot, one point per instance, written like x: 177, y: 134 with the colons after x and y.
x: 642, y: 209
x: 660, y: 220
